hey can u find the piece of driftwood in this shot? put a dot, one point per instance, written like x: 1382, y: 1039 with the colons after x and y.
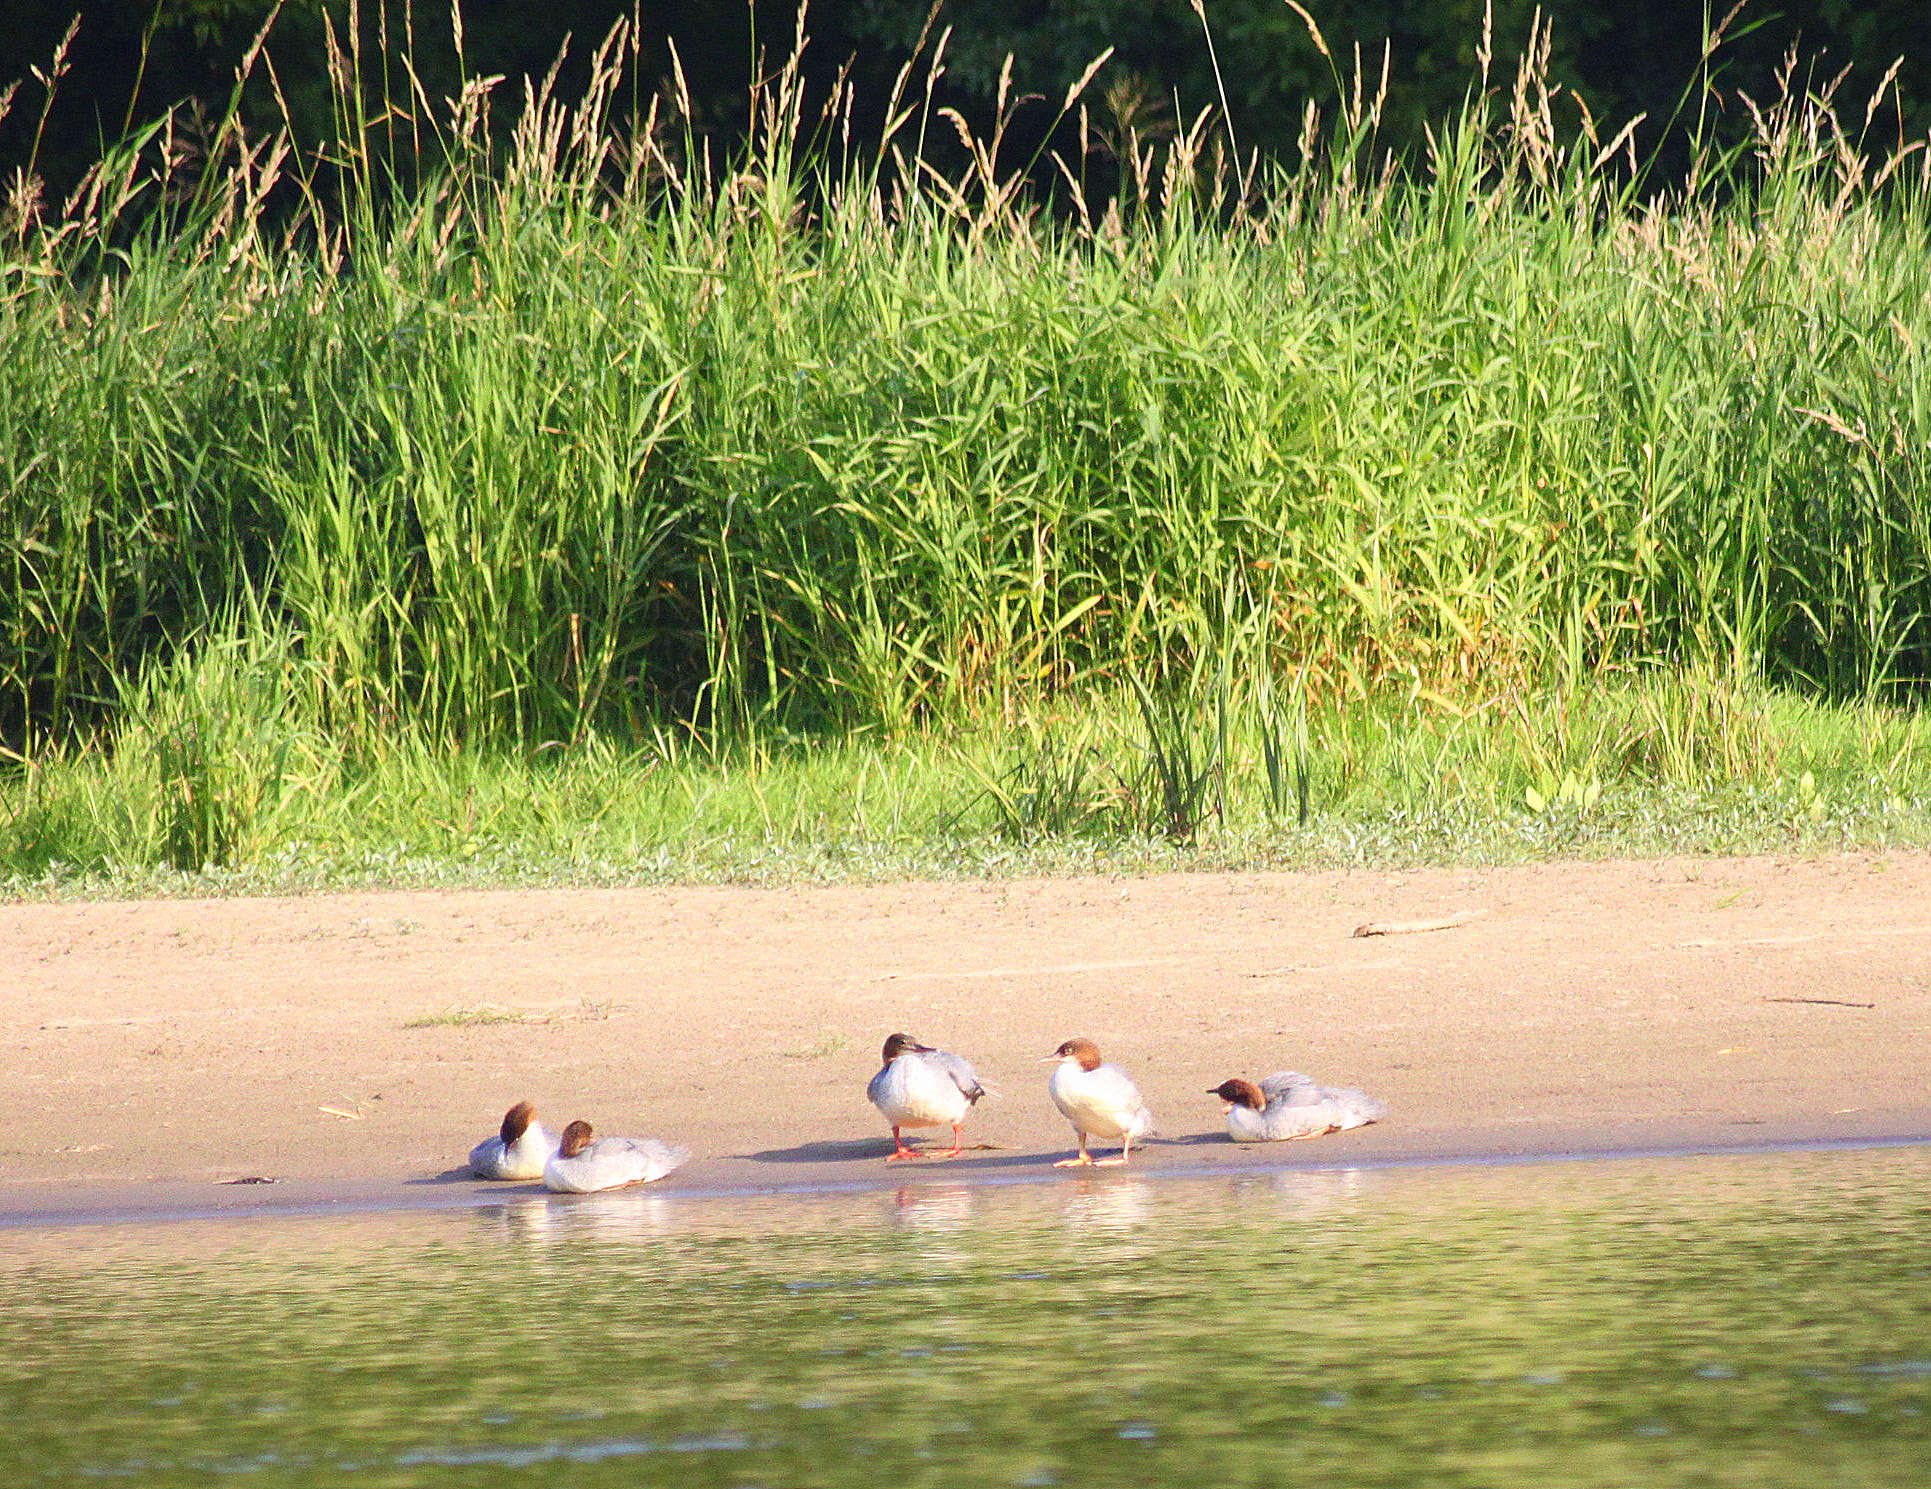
x: 1412, y: 927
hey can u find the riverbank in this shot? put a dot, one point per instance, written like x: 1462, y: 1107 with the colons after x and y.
x: 354, y: 1046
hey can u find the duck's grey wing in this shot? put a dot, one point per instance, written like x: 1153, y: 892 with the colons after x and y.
x: 662, y: 1157
x: 1344, y: 1106
x: 1289, y: 1085
x: 1117, y: 1089
x: 1114, y: 1086
x: 1292, y: 1119
x: 1356, y: 1108
x: 961, y: 1072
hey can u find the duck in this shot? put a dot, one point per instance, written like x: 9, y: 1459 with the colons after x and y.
x: 1098, y: 1099
x: 919, y: 1086
x: 585, y: 1162
x: 519, y: 1150
x: 1288, y: 1106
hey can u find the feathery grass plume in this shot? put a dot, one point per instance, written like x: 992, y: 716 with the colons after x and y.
x: 530, y: 430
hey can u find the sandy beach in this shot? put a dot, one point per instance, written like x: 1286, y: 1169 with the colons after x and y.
x: 353, y: 1047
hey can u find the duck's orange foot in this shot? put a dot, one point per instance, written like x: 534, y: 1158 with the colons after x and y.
x: 1082, y: 1161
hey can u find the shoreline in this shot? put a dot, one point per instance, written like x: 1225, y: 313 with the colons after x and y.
x: 140, y: 1205
x: 151, y: 1050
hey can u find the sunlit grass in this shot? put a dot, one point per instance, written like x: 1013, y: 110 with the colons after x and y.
x: 601, y: 508
x: 1672, y: 766
x: 482, y: 1016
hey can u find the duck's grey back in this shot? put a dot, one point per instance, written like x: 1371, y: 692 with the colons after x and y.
x: 963, y: 1076
x: 1344, y: 1106
x: 660, y: 1156
x: 1288, y: 1085
x: 1123, y: 1093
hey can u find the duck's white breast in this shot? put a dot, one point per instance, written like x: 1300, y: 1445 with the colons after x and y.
x: 916, y: 1092
x: 1245, y: 1125
x: 522, y: 1159
x: 1104, y: 1102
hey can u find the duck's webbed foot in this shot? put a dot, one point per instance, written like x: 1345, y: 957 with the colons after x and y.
x: 900, y: 1152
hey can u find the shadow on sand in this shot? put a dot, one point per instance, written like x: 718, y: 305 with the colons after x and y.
x: 857, y: 1149
x: 842, y: 1151
x: 508, y: 1188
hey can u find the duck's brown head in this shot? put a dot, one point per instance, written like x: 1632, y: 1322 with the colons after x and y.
x: 576, y: 1137
x: 1239, y: 1093
x: 516, y: 1122
x: 1083, y: 1052
x: 904, y: 1044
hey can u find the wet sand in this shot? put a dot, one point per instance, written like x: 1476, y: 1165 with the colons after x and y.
x: 353, y: 1047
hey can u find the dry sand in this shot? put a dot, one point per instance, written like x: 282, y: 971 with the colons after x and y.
x: 155, y: 1049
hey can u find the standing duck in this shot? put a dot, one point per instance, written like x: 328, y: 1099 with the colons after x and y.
x: 1289, y: 1105
x: 519, y: 1150
x: 1097, y: 1099
x: 919, y: 1086
x: 585, y: 1162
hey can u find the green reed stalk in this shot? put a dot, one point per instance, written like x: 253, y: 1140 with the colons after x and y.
x: 593, y: 435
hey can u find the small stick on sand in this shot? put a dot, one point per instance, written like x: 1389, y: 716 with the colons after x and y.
x: 1833, y: 1002
x: 1411, y: 927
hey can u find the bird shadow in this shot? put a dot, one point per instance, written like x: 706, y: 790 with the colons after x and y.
x: 855, y: 1149
x: 826, y: 1152
x: 462, y: 1175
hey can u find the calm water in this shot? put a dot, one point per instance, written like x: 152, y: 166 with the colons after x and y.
x: 1755, y: 1322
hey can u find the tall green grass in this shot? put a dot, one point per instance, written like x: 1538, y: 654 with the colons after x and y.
x: 595, y: 440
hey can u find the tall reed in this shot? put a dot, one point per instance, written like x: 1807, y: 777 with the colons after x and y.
x: 595, y: 431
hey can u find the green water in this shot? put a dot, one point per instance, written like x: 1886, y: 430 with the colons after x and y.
x: 1760, y: 1321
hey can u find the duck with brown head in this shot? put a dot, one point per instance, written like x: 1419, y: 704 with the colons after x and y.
x: 1100, y: 1100
x: 1288, y: 1106
x: 518, y: 1151
x: 919, y: 1086
x: 585, y: 1162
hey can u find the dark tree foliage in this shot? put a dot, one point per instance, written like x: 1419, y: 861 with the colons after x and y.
x: 130, y: 59
x: 1621, y: 57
